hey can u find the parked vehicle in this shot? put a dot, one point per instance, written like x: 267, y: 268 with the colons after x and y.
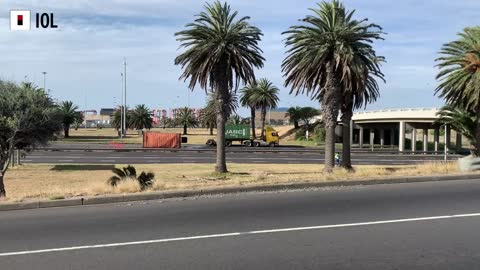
x: 241, y: 134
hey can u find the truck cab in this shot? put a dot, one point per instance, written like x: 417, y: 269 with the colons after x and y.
x: 271, y: 136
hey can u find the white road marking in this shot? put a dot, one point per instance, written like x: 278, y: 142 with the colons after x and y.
x: 209, y: 236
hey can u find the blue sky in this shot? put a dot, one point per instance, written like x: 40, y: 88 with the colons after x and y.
x: 83, y: 57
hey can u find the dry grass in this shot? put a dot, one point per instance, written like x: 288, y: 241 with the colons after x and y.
x: 47, y: 181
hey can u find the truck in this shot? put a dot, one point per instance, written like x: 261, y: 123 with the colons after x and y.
x: 241, y: 134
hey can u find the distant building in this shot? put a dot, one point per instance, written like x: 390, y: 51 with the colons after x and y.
x: 93, y: 120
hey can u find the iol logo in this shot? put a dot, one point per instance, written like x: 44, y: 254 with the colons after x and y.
x: 20, y: 20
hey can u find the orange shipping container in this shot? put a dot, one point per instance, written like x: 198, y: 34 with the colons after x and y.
x: 161, y: 140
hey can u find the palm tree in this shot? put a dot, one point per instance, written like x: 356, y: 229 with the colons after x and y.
x: 144, y: 179
x: 318, y: 60
x: 69, y: 114
x: 221, y: 52
x: 462, y: 121
x: 459, y: 75
x: 293, y: 113
x: 186, y: 118
x: 141, y: 118
x: 359, y: 89
x: 265, y: 97
x: 246, y: 101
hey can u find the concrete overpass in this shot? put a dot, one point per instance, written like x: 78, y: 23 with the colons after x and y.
x: 389, y: 128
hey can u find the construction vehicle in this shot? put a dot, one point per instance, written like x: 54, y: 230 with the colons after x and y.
x: 241, y: 134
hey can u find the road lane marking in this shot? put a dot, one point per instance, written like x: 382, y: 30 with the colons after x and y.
x: 223, y: 235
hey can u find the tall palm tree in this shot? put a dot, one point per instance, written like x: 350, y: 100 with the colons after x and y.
x: 294, y: 114
x: 265, y: 97
x: 186, y: 118
x: 459, y: 75
x: 141, y: 118
x: 221, y: 52
x: 69, y: 114
x: 318, y: 60
x: 461, y: 121
x: 360, y: 88
x: 246, y: 100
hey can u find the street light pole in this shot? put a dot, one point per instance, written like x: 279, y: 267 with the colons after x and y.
x: 121, y: 109
x: 44, y: 80
x: 446, y: 144
x: 125, y: 95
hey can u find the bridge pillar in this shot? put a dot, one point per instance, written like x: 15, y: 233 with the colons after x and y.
x: 425, y: 140
x: 382, y: 137
x: 372, y: 137
x: 448, y: 137
x: 360, y: 138
x: 436, y: 138
x: 401, y: 137
x: 392, y: 138
x: 458, y: 142
x: 414, y: 139
x: 351, y: 133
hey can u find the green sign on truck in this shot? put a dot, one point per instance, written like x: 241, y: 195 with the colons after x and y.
x: 237, y: 132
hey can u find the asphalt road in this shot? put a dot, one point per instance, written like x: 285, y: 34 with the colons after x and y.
x: 401, y: 226
x: 109, y: 157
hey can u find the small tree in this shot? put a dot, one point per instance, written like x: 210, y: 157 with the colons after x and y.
x: 28, y: 118
x: 293, y: 113
x: 144, y: 179
x: 116, y: 118
x: 140, y: 118
x: 306, y: 114
x: 70, y: 116
x: 186, y: 118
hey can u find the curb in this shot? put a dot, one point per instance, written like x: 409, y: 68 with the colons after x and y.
x: 148, y: 196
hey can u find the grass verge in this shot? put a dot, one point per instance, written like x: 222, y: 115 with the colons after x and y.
x: 31, y: 182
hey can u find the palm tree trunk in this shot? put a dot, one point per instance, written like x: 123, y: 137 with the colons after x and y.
x: 252, y: 122
x: 330, y: 108
x: 476, y: 150
x: 295, y: 124
x: 3, y: 193
x: 66, y: 131
x: 347, y: 113
x: 262, y: 119
x: 211, y: 130
x: 222, y: 111
x: 184, y: 129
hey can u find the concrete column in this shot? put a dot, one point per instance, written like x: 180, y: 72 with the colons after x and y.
x: 360, y: 138
x: 401, y: 137
x: 449, y: 137
x: 425, y: 140
x: 382, y: 137
x: 436, y: 138
x: 372, y: 136
x: 458, y: 142
x: 414, y: 140
x: 392, y: 137
x: 351, y: 133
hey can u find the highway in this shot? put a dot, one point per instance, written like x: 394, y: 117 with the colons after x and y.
x: 400, y: 226
x: 291, y: 157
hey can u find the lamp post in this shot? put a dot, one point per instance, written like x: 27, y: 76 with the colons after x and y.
x: 121, y: 109
x: 125, y: 95
x: 44, y: 80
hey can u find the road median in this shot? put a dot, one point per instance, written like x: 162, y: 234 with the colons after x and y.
x: 148, y: 196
